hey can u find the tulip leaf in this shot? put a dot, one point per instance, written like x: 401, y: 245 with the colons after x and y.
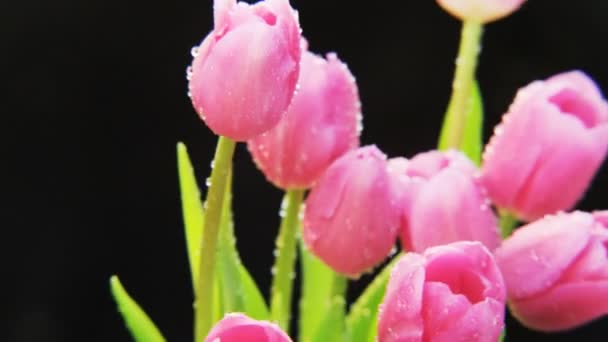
x: 317, y: 279
x: 503, y: 334
x: 239, y: 291
x: 137, y: 321
x: 471, y: 143
x: 192, y: 209
x: 362, y: 317
x: 331, y: 325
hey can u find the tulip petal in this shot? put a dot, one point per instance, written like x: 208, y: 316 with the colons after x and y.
x: 400, y: 318
x: 237, y: 327
x: 480, y: 10
x: 319, y: 126
x: 538, y: 254
x: 578, y: 80
x: 468, y: 268
x: 225, y: 83
x: 574, y: 147
x: 441, y: 307
x: 548, y: 147
x: 450, y: 207
x: 350, y: 221
x: 482, y: 322
x: 591, y: 264
x: 510, y: 150
x: 221, y: 10
x: 564, y: 307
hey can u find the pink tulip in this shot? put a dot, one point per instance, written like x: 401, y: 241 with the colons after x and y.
x: 350, y: 221
x: 480, y: 10
x: 245, y: 71
x: 450, y: 293
x: 237, y: 327
x: 556, y: 270
x: 319, y: 126
x: 548, y: 147
x: 442, y: 202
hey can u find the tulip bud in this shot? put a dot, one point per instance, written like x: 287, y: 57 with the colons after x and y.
x: 556, y: 271
x: 480, y: 10
x: 548, y: 147
x: 442, y: 202
x: 320, y: 125
x: 244, y: 73
x: 450, y: 293
x: 236, y: 327
x: 350, y: 221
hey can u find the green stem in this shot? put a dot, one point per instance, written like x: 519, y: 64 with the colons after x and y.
x: 283, y: 269
x: 464, y: 78
x: 203, y: 309
x: 508, y: 222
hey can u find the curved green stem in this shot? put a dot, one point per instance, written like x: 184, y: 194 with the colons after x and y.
x: 283, y: 269
x: 464, y: 79
x: 203, y: 309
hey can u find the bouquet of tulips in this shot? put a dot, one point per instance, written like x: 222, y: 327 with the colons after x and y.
x: 479, y: 232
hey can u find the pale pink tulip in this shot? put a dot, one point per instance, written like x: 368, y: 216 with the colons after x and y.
x: 556, y: 270
x: 245, y: 71
x: 480, y: 10
x: 548, y: 147
x: 442, y: 202
x: 350, y: 221
x: 236, y: 327
x: 450, y: 293
x: 319, y: 126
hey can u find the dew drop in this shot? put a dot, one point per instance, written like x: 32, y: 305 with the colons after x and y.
x: 208, y: 182
x: 194, y: 51
x: 359, y: 123
x: 189, y: 72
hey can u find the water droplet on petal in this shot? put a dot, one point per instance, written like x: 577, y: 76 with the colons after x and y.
x: 194, y: 51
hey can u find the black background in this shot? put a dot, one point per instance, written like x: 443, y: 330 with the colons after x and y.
x: 94, y: 101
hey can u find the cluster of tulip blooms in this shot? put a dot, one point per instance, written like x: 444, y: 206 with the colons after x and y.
x: 453, y: 209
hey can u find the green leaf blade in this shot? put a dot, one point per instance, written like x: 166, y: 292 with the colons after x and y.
x: 137, y: 321
x: 317, y: 279
x: 331, y: 325
x: 192, y: 209
x: 363, y: 314
x: 472, y: 138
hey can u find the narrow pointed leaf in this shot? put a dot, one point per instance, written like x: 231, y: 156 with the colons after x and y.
x: 317, y: 281
x: 255, y: 305
x: 239, y: 291
x: 472, y: 137
x: 137, y: 321
x: 331, y: 325
x: 218, y: 302
x: 373, y: 330
x: 192, y: 209
x: 364, y: 311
